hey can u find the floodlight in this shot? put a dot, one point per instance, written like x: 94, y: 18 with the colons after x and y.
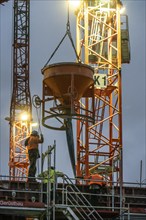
x: 122, y: 10
x: 24, y: 116
x: 74, y: 3
x: 105, y: 1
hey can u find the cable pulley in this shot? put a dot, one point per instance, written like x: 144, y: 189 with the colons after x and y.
x: 36, y: 101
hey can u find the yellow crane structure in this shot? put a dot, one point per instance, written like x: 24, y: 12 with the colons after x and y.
x: 103, y: 43
x: 89, y: 91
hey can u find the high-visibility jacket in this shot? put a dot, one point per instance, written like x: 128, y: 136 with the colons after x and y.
x: 50, y: 175
x: 96, y: 179
x: 33, y: 141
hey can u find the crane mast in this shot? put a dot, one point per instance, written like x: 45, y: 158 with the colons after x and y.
x: 99, y: 144
x: 20, y: 125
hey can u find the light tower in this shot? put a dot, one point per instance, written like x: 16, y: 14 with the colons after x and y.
x: 20, y: 125
x: 100, y: 37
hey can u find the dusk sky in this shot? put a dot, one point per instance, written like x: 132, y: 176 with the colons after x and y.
x: 47, y: 27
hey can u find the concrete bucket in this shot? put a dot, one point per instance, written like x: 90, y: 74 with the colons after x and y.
x: 68, y: 81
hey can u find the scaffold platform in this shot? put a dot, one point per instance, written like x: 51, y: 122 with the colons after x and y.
x: 23, y: 200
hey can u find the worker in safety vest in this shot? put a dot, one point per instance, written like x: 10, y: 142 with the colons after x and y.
x: 96, y: 181
x: 33, y: 152
x: 50, y: 175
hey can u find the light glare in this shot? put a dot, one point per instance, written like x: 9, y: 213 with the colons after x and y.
x: 74, y: 3
x: 24, y: 116
x: 122, y: 10
x: 34, y: 124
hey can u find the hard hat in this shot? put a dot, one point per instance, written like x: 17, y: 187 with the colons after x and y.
x: 34, y: 133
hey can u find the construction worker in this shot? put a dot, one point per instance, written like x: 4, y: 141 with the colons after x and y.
x: 96, y: 181
x: 33, y: 152
x: 50, y: 176
x: 97, y: 185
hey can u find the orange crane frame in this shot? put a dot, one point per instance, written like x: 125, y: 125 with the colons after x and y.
x: 99, y: 145
x: 21, y: 99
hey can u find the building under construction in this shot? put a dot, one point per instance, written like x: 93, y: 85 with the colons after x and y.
x: 87, y: 91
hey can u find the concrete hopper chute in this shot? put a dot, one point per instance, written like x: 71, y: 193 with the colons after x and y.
x: 66, y: 84
x: 68, y: 80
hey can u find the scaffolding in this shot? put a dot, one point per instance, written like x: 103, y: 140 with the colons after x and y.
x: 70, y: 199
x: 65, y: 198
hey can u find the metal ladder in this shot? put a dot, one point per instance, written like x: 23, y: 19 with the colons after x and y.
x: 77, y: 205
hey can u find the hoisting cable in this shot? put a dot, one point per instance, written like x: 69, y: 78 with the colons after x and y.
x: 40, y: 132
x: 68, y: 33
x: 37, y: 104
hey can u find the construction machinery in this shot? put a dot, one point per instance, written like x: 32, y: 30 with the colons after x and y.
x: 21, y: 109
x: 102, y: 44
x: 88, y: 91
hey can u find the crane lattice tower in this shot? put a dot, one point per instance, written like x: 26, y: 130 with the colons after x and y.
x: 21, y: 100
x: 101, y: 44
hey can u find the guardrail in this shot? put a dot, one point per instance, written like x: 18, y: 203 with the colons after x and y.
x: 76, y: 196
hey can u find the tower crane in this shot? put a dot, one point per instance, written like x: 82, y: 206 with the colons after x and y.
x: 103, y: 42
x: 21, y: 108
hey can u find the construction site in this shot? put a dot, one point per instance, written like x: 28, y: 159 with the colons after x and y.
x: 82, y: 99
